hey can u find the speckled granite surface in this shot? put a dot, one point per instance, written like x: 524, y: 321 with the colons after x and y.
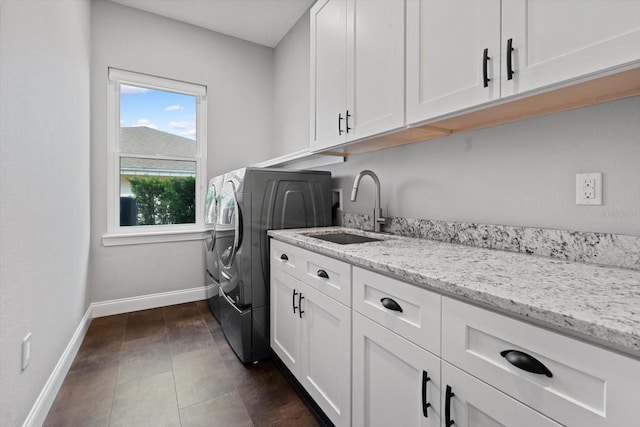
x: 599, y: 303
x: 596, y: 248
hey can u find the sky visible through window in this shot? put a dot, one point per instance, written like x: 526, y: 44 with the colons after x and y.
x: 165, y: 111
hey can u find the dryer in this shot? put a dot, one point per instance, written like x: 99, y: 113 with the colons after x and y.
x: 252, y: 201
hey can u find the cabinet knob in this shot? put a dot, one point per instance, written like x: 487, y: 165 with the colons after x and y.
x: 284, y: 257
x: 390, y: 304
x: 323, y: 274
x: 526, y: 362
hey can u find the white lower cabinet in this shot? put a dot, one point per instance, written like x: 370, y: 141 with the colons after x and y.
x: 311, y: 333
x: 395, y: 382
x: 468, y: 402
x: 430, y: 361
x: 285, y: 323
x: 573, y: 382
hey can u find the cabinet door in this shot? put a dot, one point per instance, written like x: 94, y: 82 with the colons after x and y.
x: 475, y: 404
x: 555, y: 41
x: 328, y: 64
x: 325, y: 356
x: 375, y: 66
x: 389, y: 374
x: 285, y: 322
x: 446, y: 40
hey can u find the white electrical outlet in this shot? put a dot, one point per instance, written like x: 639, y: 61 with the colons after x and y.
x: 26, y: 351
x: 589, y: 188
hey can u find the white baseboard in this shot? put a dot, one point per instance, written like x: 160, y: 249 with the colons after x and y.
x: 43, y: 403
x: 144, y: 302
x: 41, y: 408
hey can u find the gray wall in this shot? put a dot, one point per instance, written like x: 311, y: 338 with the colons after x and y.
x: 516, y: 174
x: 291, y: 90
x: 44, y: 190
x: 239, y: 78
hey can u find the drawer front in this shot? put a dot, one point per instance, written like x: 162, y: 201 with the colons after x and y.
x: 284, y: 257
x: 473, y: 403
x: 327, y: 275
x: 419, y: 320
x: 588, y: 386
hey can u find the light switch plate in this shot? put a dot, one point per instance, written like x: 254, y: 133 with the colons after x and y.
x: 589, y: 188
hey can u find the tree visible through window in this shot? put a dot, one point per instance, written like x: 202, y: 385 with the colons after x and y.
x: 157, y: 151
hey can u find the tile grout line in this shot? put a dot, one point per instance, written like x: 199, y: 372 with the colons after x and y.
x: 235, y: 384
x: 173, y: 373
x: 115, y: 385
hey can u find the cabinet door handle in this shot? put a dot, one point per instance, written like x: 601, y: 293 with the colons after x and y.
x: 390, y: 304
x: 425, y: 403
x: 323, y: 274
x: 525, y: 362
x: 293, y: 301
x: 284, y: 257
x: 510, y: 71
x: 340, y: 131
x: 347, y: 121
x: 485, y: 60
x: 447, y: 407
x: 300, y: 298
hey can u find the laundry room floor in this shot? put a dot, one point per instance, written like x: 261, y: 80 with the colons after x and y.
x: 171, y: 366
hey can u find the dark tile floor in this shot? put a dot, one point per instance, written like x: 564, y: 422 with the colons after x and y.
x: 170, y: 366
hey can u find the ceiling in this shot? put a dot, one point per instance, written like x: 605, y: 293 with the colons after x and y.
x: 264, y: 22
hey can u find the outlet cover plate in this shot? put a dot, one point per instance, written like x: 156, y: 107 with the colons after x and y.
x: 589, y: 188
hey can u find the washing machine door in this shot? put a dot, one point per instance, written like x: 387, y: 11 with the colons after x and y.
x: 211, y: 203
x: 210, y: 215
x: 228, y: 244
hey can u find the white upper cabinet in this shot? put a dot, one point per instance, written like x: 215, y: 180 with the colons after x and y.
x: 530, y: 45
x: 328, y: 64
x: 556, y: 41
x: 357, y: 70
x: 446, y: 66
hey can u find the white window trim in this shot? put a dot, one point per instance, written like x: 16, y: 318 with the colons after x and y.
x: 117, y: 235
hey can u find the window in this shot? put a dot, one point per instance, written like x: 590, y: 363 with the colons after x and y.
x: 157, y: 144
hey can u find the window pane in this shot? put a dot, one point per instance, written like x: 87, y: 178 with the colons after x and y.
x: 154, y: 192
x: 157, y: 122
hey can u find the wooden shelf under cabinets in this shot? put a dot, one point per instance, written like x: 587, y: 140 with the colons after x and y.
x: 609, y: 88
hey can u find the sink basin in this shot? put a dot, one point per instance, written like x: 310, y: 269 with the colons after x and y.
x: 344, y: 238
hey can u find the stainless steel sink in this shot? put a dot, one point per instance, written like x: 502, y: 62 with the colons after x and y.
x: 344, y: 238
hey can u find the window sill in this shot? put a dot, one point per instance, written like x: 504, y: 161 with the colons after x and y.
x: 152, y: 237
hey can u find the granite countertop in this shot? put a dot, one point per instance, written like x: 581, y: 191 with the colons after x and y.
x: 601, y: 304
